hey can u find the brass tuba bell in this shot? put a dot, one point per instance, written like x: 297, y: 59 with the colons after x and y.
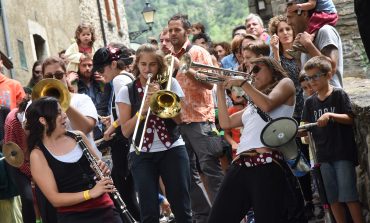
x: 52, y: 88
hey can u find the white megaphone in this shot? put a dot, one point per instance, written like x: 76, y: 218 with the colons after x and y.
x: 280, y: 134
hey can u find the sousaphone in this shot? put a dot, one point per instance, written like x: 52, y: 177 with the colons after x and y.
x: 52, y: 88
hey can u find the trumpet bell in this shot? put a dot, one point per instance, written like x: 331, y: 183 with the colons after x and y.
x: 165, y: 104
x: 52, y: 88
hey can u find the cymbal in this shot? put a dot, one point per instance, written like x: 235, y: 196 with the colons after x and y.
x: 13, y: 154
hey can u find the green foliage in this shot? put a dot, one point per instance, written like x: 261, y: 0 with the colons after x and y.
x: 218, y: 16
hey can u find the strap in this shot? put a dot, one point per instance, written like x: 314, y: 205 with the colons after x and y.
x: 188, y: 47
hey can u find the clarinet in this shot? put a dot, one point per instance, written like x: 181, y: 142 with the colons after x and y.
x: 99, y: 173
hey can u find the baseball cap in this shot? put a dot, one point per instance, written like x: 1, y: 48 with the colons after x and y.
x: 106, y: 55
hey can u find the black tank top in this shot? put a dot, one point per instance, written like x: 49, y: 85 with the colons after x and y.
x: 70, y: 177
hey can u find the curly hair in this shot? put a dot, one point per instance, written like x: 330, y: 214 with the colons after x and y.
x: 225, y: 45
x: 79, y: 30
x: 273, y: 26
x: 148, y: 48
x: 46, y: 107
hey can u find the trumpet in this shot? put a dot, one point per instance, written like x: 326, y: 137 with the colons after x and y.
x: 52, y: 88
x: 186, y: 64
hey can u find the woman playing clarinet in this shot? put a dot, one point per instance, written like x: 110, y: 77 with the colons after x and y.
x: 62, y: 172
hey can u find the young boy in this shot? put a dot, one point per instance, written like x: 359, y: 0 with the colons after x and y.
x: 330, y: 107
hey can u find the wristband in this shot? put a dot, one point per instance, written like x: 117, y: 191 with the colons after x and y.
x: 141, y: 116
x: 245, y: 81
x: 87, y: 195
x: 115, y: 124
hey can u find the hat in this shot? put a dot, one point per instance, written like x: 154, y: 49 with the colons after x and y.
x: 106, y: 55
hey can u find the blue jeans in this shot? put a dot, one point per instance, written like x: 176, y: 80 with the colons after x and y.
x: 340, y: 181
x: 173, y: 166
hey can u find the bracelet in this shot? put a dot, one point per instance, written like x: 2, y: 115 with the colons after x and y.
x: 245, y: 81
x: 142, y: 117
x: 115, y: 124
x: 87, y: 195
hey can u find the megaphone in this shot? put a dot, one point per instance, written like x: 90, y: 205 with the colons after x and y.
x: 280, y: 134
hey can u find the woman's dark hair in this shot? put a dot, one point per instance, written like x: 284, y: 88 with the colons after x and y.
x: 46, y: 107
x: 148, y: 48
x: 225, y: 45
x: 277, y: 71
x: 200, y: 26
x: 258, y: 47
x: 33, y: 79
x: 236, y: 28
x: 125, y: 59
x: 201, y: 36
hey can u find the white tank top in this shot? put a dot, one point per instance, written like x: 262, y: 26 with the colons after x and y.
x: 253, y: 125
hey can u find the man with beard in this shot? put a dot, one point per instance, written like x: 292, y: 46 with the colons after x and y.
x: 197, y: 128
x: 93, y: 86
x: 325, y: 42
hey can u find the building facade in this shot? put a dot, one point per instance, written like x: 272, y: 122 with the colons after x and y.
x: 35, y: 29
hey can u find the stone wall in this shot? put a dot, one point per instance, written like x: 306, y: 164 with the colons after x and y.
x: 356, y: 63
x: 113, y: 31
x: 359, y: 93
x: 55, y: 22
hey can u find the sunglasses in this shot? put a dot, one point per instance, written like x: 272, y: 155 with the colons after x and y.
x: 57, y: 75
x: 37, y: 71
x: 255, y: 69
x: 314, y: 77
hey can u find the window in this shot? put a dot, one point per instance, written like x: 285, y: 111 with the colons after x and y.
x: 22, y: 55
x: 40, y: 47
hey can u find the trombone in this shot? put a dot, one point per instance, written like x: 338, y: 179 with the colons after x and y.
x: 138, y: 149
x: 163, y: 103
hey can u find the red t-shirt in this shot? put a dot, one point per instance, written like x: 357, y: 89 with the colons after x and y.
x: 235, y: 132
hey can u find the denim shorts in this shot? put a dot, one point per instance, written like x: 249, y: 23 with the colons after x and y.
x: 340, y: 181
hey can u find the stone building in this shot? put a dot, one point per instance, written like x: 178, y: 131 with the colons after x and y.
x: 35, y: 29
